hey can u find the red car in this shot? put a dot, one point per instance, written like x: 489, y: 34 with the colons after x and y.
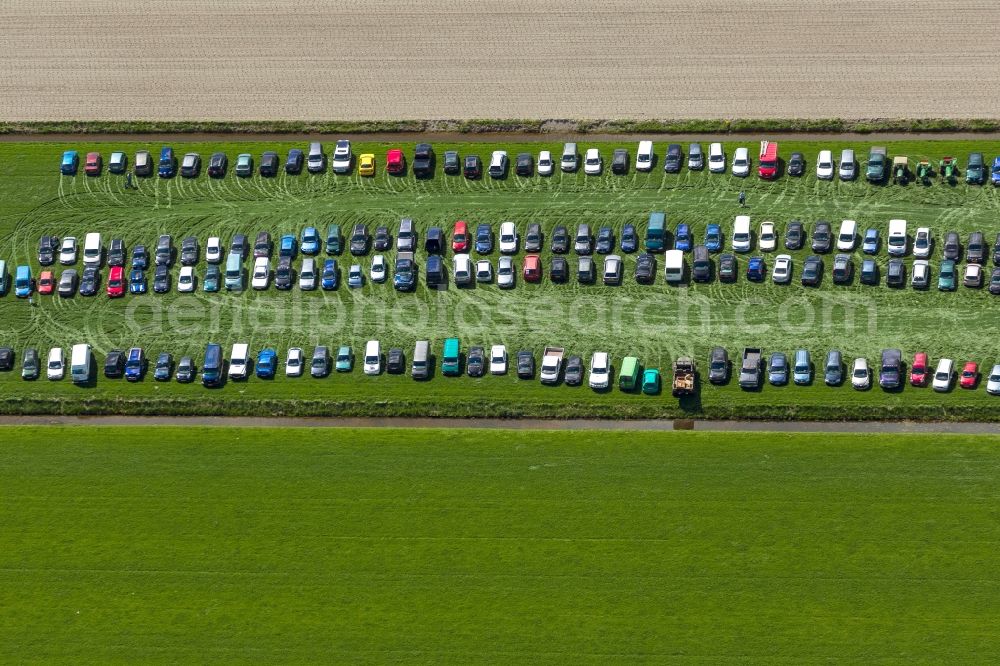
x: 532, y: 268
x: 920, y: 371
x: 460, y: 237
x: 92, y: 167
x: 116, y: 282
x: 970, y: 375
x: 395, y: 162
x: 46, y: 282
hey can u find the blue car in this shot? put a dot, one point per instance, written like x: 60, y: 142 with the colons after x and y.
x: 713, y: 237
x: 168, y: 163
x: 995, y: 171
x: 484, y: 239
x: 70, y: 163
x: 630, y: 239
x: 267, y: 359
x: 870, y: 243
x: 756, y: 269
x: 212, y: 278
x: 330, y: 275
x: 135, y: 364
x: 24, y: 284
x: 137, y: 282
x: 287, y: 246
x: 310, y: 241
x: 682, y: 240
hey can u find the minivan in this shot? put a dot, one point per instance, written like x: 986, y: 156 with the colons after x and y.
x: 316, y: 162
x: 23, y: 282
x: 451, y: 358
x: 644, y: 156
x: 847, y: 236
x: 570, y: 158
x: 701, y: 264
x: 92, y: 250
x: 890, y: 375
x: 583, y: 243
x: 802, y: 368
x: 239, y: 361
x: 373, y: 358
x: 234, y: 272
x: 406, y: 239
x: 655, y: 240
x: 834, y: 374
x: 696, y: 160
x: 211, y: 368
x: 896, y: 240
x: 673, y: 266
x: 421, y: 361
x: 741, y: 234
x: 848, y: 167
x: 80, y: 361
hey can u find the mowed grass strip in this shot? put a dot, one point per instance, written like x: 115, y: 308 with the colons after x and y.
x: 211, y: 544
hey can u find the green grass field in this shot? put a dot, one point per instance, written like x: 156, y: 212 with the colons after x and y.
x: 308, y: 545
x: 656, y: 323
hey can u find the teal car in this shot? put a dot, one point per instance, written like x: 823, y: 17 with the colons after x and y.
x: 244, y: 165
x: 212, y: 278
x: 345, y: 359
x: 70, y: 163
x: 946, y: 276
x: 651, y: 381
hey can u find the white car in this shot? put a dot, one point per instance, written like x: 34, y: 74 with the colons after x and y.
x: 261, y: 276
x: 600, y: 371
x: 373, y: 358
x: 741, y: 162
x: 545, y: 164
x: 355, y: 278
x: 67, y: 252
x: 505, y: 272
x: 498, y: 164
x: 484, y: 271
x: 847, y: 238
x: 825, y: 165
x: 498, y: 360
x: 508, y: 238
x: 943, y: 375
x: 293, y: 364
x: 57, y: 364
x: 973, y: 275
x: 922, y: 243
x: 185, y: 281
x: 920, y: 279
x: 782, y: 271
x: 307, y: 276
x: 592, y: 163
x: 213, y: 250
x: 993, y: 381
x: 716, y: 158
x: 462, y: 269
x: 768, y: 240
x: 377, y: 272
x: 342, y: 156
x: 860, y: 376
x: 644, y: 156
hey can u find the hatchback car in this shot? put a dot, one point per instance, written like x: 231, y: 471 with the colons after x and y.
x: 943, y: 375
x: 970, y: 375
x: 947, y: 276
x: 533, y: 238
x: 319, y: 364
x: 191, y: 165
x: 546, y: 165
x: 217, y: 165
x: 460, y: 237
x: 993, y: 381
x: 777, y: 369
x: 294, y: 162
x: 484, y: 271
x: 920, y: 370
x: 68, y: 251
x: 331, y: 276
x: 821, y: 237
x: 161, y: 280
x: 812, y: 271
x: 472, y: 167
x: 189, y: 251
x: 860, y: 375
x: 475, y: 361
x: 605, y: 240
x: 559, y: 270
x: 718, y: 366
x: 843, y: 269
x: 213, y: 279
x: 794, y: 235
x: 525, y: 364
x: 973, y: 278
x: 116, y: 282
x: 164, y: 367
x: 114, y: 364
x: 244, y: 165
x: 90, y: 281
x: 612, y: 269
x: 48, y: 246
x: 560, y: 239
x: 593, y: 164
x: 796, y: 164
x: 136, y: 282
x: 645, y: 269
x: 630, y: 239
x: 619, y: 162
x: 505, y: 273
x: 895, y: 273
x: 756, y: 269
x: 833, y: 368
x: 713, y: 237
x: 995, y: 281
x: 294, y: 362
x: 922, y: 243
x: 870, y: 244
x: 524, y: 165
x: 728, y: 268
x: 508, y: 238
x: 767, y: 240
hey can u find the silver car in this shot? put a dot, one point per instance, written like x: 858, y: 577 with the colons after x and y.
x: 505, y: 272
x: 316, y: 161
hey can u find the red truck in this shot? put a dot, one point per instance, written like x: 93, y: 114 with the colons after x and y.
x: 768, y: 162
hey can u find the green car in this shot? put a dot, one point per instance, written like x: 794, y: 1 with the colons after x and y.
x: 345, y: 359
x: 651, y: 381
x: 946, y: 276
x: 212, y: 278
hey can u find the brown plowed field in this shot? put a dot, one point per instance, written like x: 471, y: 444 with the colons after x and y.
x: 429, y: 59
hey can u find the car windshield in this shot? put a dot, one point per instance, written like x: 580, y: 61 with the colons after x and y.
x: 860, y: 372
x: 941, y: 376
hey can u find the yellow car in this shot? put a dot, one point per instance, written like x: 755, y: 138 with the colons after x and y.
x: 366, y: 164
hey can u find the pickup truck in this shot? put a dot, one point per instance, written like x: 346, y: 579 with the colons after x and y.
x: 405, y: 276
x: 552, y: 358
x: 750, y: 372
x: 683, y: 376
x: 877, y: 165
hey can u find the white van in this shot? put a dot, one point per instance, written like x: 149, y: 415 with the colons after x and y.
x: 239, y: 361
x: 847, y: 236
x: 741, y: 234
x: 644, y: 156
x: 848, y: 167
x: 716, y: 158
x: 600, y: 371
x: 92, y: 249
x: 896, y: 241
x: 673, y: 266
x: 373, y: 358
x: 79, y: 369
x: 569, y: 158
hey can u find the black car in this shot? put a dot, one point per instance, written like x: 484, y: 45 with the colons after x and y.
x: 217, y: 165
x: 263, y: 246
x: 605, y: 240
x: 718, y: 365
x: 30, y: 365
x: 164, y: 250
x: 90, y: 281
x: 645, y: 269
x: 6, y: 359
x: 672, y: 162
x: 630, y: 239
x: 701, y: 264
x: 164, y: 367
x: 952, y: 248
x: 975, y: 251
x: 525, y: 364
x: 533, y: 238
x: 794, y: 235
x: 869, y: 272
x: 727, y: 268
x: 796, y: 164
x: 293, y: 163
x: 382, y: 238
x: 116, y: 252
x: 114, y: 364
x: 434, y: 241
x: 559, y: 269
x: 473, y: 167
x: 560, y: 240
x: 619, y: 162
x: 395, y: 361
x: 48, y: 246
x: 359, y: 240
x: 269, y: 164
x: 525, y: 164
x: 189, y: 251
x: 423, y: 160
x: 821, y: 237
x: 895, y: 273
x: 475, y: 362
x: 434, y: 269
x: 573, y: 375
x: 67, y: 283
x: 843, y: 269
x: 140, y: 258
x: 284, y: 275
x: 995, y: 281
x: 996, y: 251
x: 161, y: 280
x: 812, y: 271
x: 452, y: 164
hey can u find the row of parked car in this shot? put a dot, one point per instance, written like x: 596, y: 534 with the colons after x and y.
x: 555, y: 367
x: 342, y: 161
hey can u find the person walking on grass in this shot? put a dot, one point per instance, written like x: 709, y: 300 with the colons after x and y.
x: 128, y: 180
x: 743, y: 199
